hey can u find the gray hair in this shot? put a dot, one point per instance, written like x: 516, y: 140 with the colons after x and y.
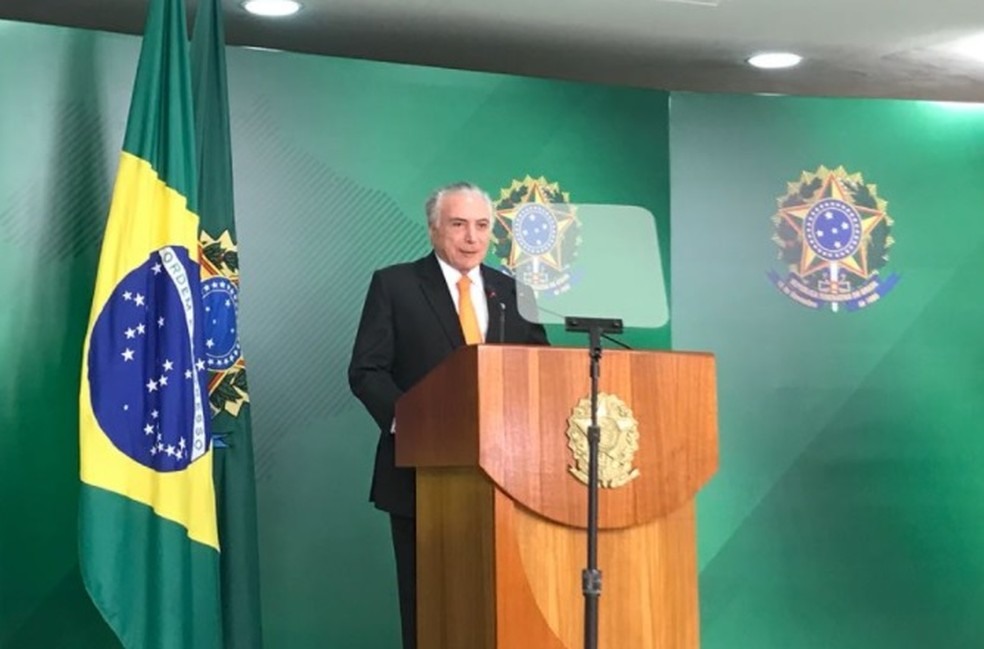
x: 434, y: 200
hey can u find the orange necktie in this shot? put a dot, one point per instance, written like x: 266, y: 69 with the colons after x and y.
x: 466, y: 313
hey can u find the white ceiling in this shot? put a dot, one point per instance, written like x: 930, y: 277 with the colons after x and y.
x: 884, y: 48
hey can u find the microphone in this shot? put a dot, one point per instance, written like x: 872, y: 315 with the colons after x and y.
x: 493, y: 298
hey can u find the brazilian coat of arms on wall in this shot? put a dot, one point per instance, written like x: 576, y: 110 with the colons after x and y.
x: 834, y: 236
x: 536, y: 234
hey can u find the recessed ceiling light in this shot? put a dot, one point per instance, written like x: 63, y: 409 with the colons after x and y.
x: 972, y: 47
x: 775, y: 60
x: 272, y: 8
x: 959, y: 106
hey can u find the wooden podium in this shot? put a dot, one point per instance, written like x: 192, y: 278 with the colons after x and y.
x: 501, y: 517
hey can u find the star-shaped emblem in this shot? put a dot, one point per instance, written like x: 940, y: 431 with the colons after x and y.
x: 560, y: 212
x: 833, y: 188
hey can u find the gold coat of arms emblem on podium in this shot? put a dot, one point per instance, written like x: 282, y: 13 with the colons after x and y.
x: 618, y: 445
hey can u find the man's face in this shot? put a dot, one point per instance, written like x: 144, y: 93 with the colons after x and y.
x: 464, y: 226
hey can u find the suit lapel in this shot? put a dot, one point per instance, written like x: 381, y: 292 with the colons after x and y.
x: 494, y: 297
x: 435, y: 291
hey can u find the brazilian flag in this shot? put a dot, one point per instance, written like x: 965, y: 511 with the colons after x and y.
x: 149, y: 546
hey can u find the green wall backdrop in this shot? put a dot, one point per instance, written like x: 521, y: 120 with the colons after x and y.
x: 849, y: 509
x: 333, y: 161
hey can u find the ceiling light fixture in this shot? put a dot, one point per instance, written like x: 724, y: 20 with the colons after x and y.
x: 775, y: 60
x: 272, y: 8
x: 959, y: 106
x: 971, y: 47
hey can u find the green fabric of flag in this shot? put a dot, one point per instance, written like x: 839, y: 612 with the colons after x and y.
x: 228, y: 396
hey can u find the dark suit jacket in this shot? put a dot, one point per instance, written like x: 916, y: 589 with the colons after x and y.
x: 408, y: 326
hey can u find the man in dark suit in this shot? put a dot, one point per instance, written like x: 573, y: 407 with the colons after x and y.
x: 415, y: 315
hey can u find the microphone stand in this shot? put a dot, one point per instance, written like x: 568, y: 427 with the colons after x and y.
x: 596, y: 328
x: 491, y: 297
x: 502, y: 322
